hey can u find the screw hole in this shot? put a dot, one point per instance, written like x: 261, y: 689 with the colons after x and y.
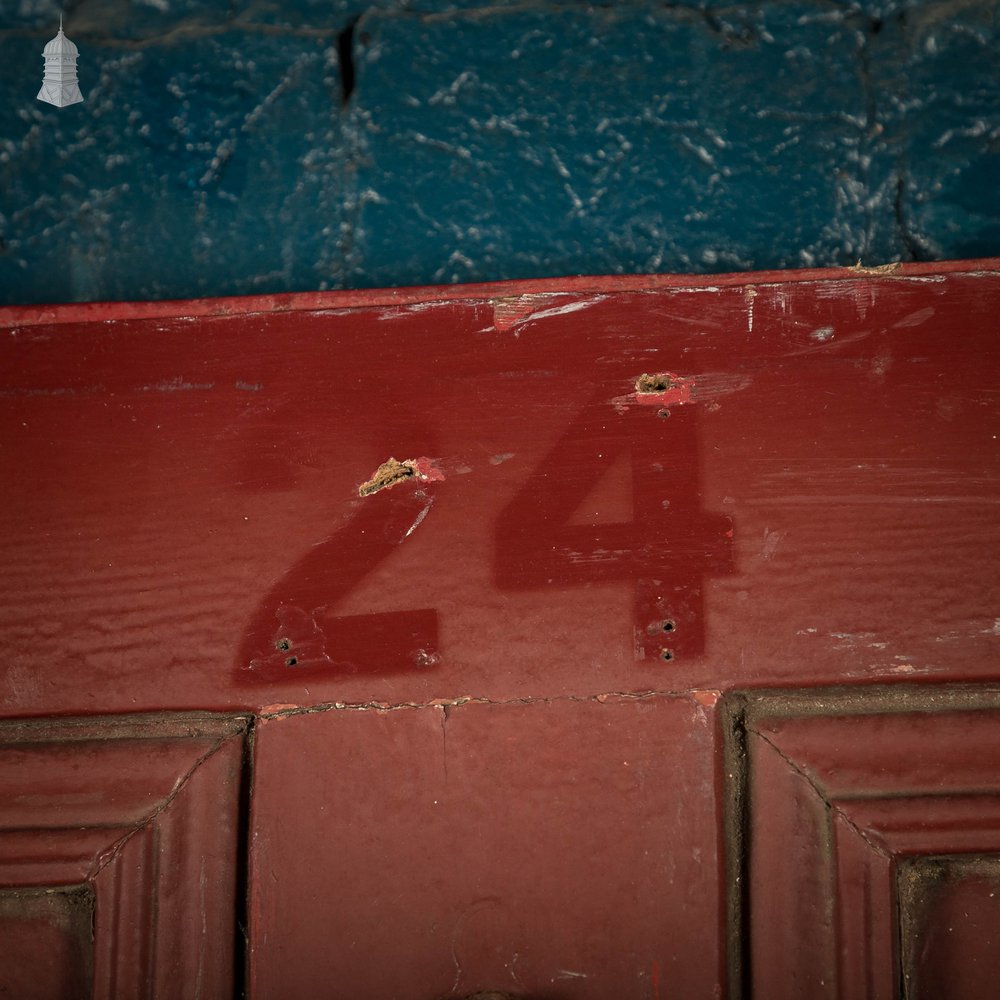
x: 283, y: 644
x: 653, y: 383
x: 291, y: 661
x: 669, y: 626
x: 663, y: 414
x: 667, y: 655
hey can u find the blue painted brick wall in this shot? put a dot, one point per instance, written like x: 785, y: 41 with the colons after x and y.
x: 215, y: 153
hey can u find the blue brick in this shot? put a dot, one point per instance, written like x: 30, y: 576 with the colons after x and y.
x: 937, y: 72
x: 213, y: 155
x: 208, y: 165
x: 541, y: 142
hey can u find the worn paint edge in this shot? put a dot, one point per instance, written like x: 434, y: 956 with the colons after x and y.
x: 83, y: 312
x: 170, y: 724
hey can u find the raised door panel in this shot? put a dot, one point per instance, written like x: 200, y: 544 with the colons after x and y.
x: 119, y: 850
x: 864, y: 830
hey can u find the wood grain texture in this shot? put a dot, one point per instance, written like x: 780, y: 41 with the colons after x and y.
x: 179, y: 483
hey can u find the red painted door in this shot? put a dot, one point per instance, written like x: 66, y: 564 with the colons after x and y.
x: 582, y: 639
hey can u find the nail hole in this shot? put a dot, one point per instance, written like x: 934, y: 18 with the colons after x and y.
x: 669, y: 626
x: 284, y: 644
x: 663, y: 414
x: 667, y: 654
x: 291, y: 661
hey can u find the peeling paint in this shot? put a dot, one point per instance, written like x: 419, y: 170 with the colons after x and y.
x: 877, y: 269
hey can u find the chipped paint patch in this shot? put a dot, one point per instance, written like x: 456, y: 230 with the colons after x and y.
x: 427, y: 469
x: 509, y: 314
x: 392, y: 472
x: 662, y: 389
x: 822, y: 334
x: 877, y: 269
x: 708, y: 699
x: 666, y: 389
x: 277, y: 712
x: 387, y: 475
x: 500, y: 459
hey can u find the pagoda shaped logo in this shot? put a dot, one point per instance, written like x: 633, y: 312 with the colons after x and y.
x: 59, y: 85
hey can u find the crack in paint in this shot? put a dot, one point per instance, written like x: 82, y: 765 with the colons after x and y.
x: 831, y: 806
x: 283, y: 711
x: 113, y: 852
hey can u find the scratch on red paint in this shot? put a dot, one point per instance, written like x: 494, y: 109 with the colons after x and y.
x: 655, y: 978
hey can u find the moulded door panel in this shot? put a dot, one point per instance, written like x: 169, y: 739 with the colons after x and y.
x: 858, y: 823
x: 118, y: 856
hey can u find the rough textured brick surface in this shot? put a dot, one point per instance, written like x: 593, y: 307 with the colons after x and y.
x: 937, y: 76
x: 625, y: 139
x: 216, y: 154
